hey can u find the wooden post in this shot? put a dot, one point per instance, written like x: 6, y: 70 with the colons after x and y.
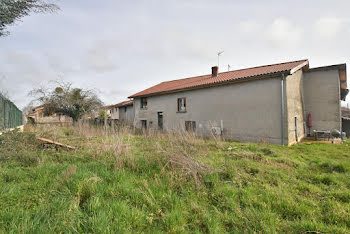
x: 105, y: 115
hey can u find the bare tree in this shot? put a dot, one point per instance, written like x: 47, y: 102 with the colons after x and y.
x: 67, y: 100
x: 12, y: 11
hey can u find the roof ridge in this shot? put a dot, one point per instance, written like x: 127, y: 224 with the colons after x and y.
x: 242, y: 69
x: 269, y: 65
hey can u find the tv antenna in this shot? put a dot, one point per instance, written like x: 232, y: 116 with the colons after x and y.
x: 228, y: 67
x: 219, y: 53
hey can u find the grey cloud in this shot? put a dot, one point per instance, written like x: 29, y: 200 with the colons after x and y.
x: 99, y: 57
x: 331, y: 27
x: 122, y: 47
x: 283, y: 32
x: 26, y: 67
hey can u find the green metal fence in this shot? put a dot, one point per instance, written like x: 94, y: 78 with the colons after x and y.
x: 10, y: 115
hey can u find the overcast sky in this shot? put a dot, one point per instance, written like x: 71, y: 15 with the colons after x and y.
x: 122, y: 47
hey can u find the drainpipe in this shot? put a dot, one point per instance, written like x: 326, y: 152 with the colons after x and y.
x: 282, y: 108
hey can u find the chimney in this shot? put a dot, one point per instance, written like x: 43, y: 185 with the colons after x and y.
x: 214, y: 71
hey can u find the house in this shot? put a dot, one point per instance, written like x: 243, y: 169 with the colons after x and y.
x: 266, y: 103
x: 126, y: 112
x: 112, y: 112
x: 36, y: 112
x: 38, y: 116
x: 346, y: 121
x: 345, y: 112
x: 121, y: 112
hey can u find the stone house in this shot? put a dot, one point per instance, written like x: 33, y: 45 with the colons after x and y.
x: 266, y: 103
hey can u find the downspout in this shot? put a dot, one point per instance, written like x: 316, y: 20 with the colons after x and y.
x: 282, y: 109
x: 303, y: 103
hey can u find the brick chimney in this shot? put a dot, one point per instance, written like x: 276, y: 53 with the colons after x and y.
x: 214, y: 71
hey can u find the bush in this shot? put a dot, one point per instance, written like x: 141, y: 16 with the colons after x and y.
x: 330, y: 168
x: 19, y: 147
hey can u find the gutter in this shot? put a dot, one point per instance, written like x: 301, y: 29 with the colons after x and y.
x: 283, y: 108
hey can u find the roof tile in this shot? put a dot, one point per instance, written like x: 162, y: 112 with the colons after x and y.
x: 182, y: 84
x: 125, y: 103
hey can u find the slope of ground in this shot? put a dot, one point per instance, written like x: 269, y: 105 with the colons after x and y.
x: 122, y: 182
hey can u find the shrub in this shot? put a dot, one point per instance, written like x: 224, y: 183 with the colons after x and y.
x: 87, y: 190
x: 330, y: 168
x: 19, y: 147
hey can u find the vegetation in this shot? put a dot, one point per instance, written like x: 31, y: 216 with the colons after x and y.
x: 72, y: 102
x: 121, y: 182
x: 13, y: 10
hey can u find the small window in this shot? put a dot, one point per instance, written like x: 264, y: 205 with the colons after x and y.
x: 144, y: 124
x: 181, y: 104
x: 112, y: 110
x: 124, y: 108
x: 190, y: 126
x: 143, y: 103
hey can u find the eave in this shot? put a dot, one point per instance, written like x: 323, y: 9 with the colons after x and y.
x: 229, y: 82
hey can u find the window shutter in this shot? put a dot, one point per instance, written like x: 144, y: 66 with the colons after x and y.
x: 178, y: 104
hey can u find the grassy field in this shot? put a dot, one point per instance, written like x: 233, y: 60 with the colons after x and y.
x: 122, y: 182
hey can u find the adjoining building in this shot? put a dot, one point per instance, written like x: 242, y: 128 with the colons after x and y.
x: 266, y: 103
x: 112, y: 112
x: 345, y: 112
x: 38, y: 116
x: 346, y: 126
x: 346, y: 121
x: 126, y: 112
x: 122, y: 112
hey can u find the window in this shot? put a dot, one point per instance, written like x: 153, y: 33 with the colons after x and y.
x: 124, y: 108
x: 181, y: 104
x: 143, y: 103
x: 112, y: 110
x: 160, y: 120
x: 190, y: 126
x: 144, y: 124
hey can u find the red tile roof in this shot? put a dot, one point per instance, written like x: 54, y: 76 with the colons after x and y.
x: 125, y: 103
x: 208, y: 80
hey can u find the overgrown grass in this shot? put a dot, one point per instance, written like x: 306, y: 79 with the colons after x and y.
x: 123, y: 182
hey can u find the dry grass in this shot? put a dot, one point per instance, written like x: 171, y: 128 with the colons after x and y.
x: 174, y: 149
x: 119, y: 180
